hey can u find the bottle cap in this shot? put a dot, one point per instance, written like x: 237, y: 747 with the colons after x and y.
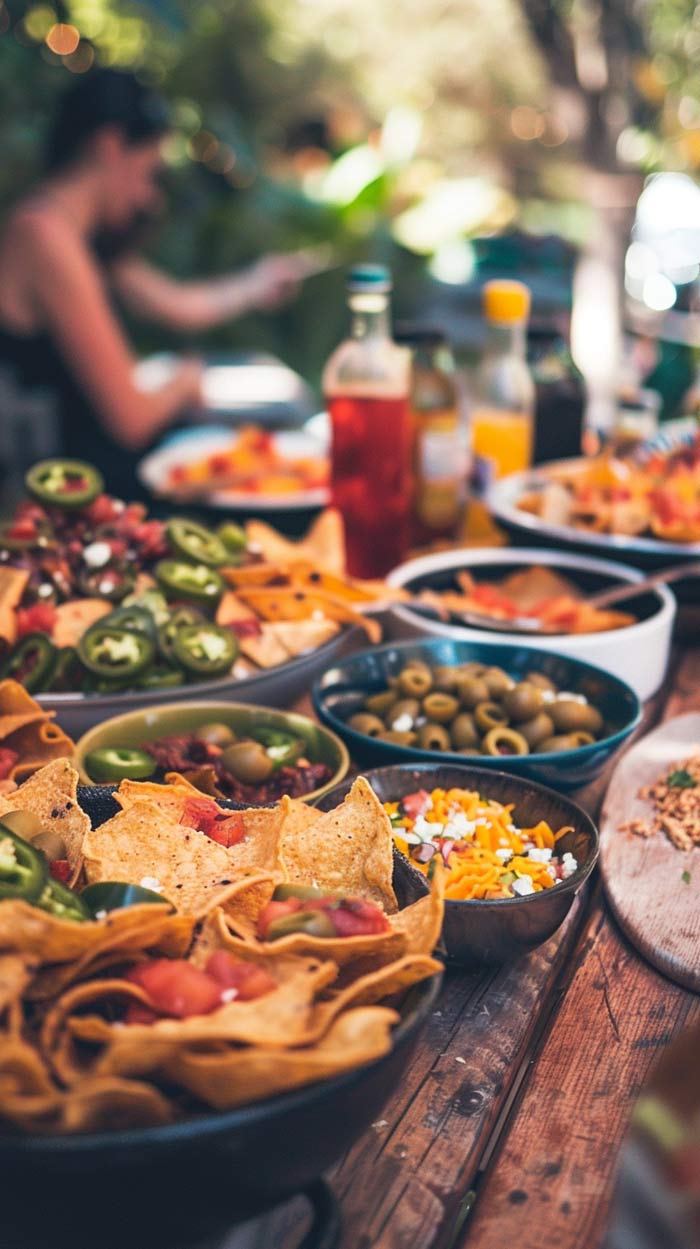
x: 505, y: 301
x: 369, y: 279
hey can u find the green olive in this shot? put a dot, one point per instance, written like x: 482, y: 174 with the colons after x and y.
x: 463, y: 731
x: 216, y: 734
x: 249, y: 762
x: 541, y: 681
x: 415, y: 680
x: 536, y: 729
x: 564, y: 741
x: 489, y: 715
x: 472, y: 690
x: 523, y: 701
x: 469, y: 751
x: 504, y: 741
x: 408, y: 707
x: 53, y: 846
x: 445, y: 677
x: 365, y: 723
x: 498, y: 682
x: 380, y: 703
x: 311, y: 923
x: 440, y: 707
x: 583, y: 738
x: 306, y: 893
x: 23, y: 824
x: 473, y: 669
x: 434, y: 737
x: 397, y: 738
x: 568, y: 715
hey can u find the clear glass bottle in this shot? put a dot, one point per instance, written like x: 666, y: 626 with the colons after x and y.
x: 502, y: 414
x: 366, y: 385
x: 440, y: 450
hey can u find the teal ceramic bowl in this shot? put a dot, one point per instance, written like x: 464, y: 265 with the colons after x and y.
x: 137, y: 728
x: 341, y: 690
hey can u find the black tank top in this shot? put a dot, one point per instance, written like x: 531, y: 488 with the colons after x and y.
x: 37, y: 366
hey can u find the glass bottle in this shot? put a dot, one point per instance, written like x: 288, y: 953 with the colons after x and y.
x: 502, y: 413
x: 366, y: 385
x: 440, y: 449
x: 560, y: 395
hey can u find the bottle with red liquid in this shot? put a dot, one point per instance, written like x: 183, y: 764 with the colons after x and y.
x: 366, y: 384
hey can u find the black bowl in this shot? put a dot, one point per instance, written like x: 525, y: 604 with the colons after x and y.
x: 496, y: 930
x: 173, y: 1187
x: 342, y: 689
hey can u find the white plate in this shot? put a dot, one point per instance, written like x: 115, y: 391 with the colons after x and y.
x: 505, y: 494
x: 197, y: 443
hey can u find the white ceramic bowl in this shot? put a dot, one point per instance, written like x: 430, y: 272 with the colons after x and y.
x: 637, y: 654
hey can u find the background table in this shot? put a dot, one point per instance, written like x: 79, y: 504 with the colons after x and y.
x: 509, y: 1120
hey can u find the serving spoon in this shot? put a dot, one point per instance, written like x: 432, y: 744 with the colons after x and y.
x: 530, y: 624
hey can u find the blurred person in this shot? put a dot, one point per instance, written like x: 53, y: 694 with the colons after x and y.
x: 58, y: 329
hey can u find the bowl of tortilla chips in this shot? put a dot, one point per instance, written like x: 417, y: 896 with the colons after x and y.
x: 171, y: 1064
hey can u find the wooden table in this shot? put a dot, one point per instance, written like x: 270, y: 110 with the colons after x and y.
x: 509, y: 1120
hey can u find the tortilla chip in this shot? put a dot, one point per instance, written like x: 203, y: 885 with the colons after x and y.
x: 347, y: 850
x: 237, y: 934
x: 230, y: 609
x: 22, y: 1072
x: 13, y: 582
x: 16, y: 971
x: 105, y: 1103
x: 376, y: 986
x: 283, y: 1014
x: 262, y: 824
x: 17, y: 709
x: 421, y: 922
x: 38, y: 744
x: 290, y: 603
x: 32, y: 932
x: 264, y: 648
x: 299, y: 636
x: 70, y: 1061
x: 73, y: 618
x: 234, y: 1077
x: 51, y: 794
x: 323, y: 545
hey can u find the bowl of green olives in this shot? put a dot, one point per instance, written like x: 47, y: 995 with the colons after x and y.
x: 534, y: 713
x: 248, y: 755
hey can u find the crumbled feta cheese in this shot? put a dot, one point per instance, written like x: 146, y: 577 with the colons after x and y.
x: 458, y: 826
x: 403, y: 724
x: 504, y: 855
x: 523, y: 886
x: 539, y: 856
x: 45, y: 590
x: 97, y: 554
x: 151, y: 882
x: 100, y: 914
x: 569, y: 864
x: 426, y: 830
x: 503, y: 841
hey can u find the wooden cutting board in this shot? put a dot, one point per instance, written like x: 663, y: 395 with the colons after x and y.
x: 656, y: 906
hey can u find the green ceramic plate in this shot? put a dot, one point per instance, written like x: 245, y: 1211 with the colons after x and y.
x: 136, y: 728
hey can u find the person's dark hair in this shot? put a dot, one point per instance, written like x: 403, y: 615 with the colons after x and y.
x: 103, y: 97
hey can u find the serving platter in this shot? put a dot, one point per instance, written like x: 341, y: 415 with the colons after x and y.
x: 199, y: 443
x: 652, y: 887
x: 644, y: 552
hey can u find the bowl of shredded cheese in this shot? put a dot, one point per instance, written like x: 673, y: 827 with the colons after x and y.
x: 515, y: 852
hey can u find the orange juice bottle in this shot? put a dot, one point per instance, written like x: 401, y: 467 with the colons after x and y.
x: 502, y: 415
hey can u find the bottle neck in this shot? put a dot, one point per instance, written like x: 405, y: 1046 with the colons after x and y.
x: 370, y: 316
x: 507, y: 338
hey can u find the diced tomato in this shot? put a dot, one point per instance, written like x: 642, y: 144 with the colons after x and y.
x: 245, y: 628
x: 176, y: 988
x: 149, y: 536
x: 248, y: 980
x: 118, y: 547
x: 102, y: 510
x: 8, y: 759
x: 24, y: 529
x: 219, y: 465
x: 276, y: 910
x: 39, y: 618
x: 356, y: 918
x: 208, y: 818
x: 415, y: 804
x: 61, y: 870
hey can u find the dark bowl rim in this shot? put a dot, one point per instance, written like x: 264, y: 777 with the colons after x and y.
x: 322, y: 687
x: 572, y: 882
